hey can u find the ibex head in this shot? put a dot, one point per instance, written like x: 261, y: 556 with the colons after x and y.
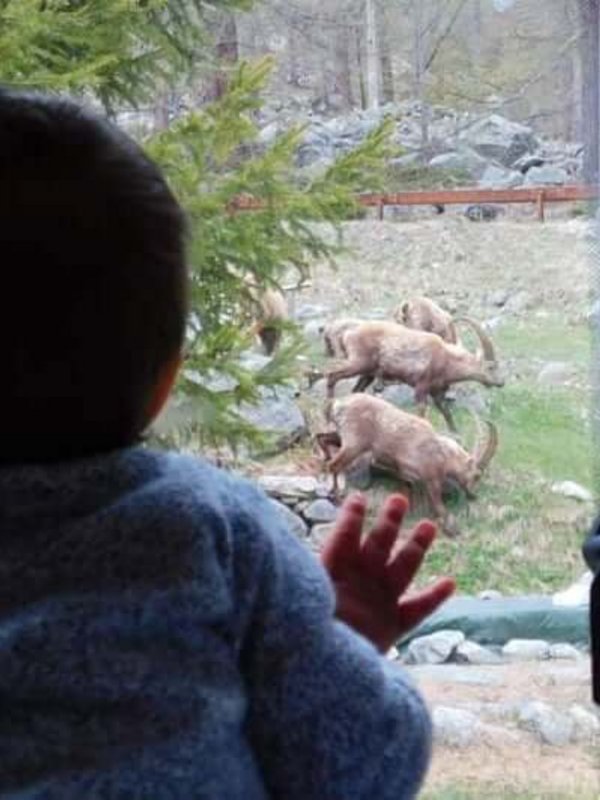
x: 467, y: 468
x: 488, y: 370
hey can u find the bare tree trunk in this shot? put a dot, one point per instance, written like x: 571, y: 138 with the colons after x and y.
x: 419, y: 69
x: 343, y: 82
x: 387, y: 67
x: 294, y: 50
x: 372, y: 54
x: 590, y: 59
x: 476, y: 32
x: 227, y: 55
x: 360, y: 71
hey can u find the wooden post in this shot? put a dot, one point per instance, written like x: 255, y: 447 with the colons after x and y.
x: 540, y: 206
x: 380, y: 209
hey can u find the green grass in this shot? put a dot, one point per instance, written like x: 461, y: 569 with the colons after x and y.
x: 519, y: 536
x: 546, y: 339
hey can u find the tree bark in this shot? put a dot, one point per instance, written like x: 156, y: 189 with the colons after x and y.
x: 387, y: 67
x: 227, y: 55
x: 372, y: 54
x: 590, y: 62
x: 343, y: 83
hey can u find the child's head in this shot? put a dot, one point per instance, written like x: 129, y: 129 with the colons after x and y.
x: 93, y: 296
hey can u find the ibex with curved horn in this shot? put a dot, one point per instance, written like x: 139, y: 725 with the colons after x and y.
x: 422, y: 360
x: 409, y: 446
x: 422, y: 314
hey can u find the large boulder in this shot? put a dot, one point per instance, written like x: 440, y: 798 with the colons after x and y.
x: 278, y: 415
x: 547, y: 175
x: 464, y: 159
x: 499, y: 139
x: 496, y: 177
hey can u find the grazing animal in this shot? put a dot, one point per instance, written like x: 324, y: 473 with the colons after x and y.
x: 394, y: 353
x: 333, y: 332
x: 270, y: 310
x: 408, y: 445
x: 422, y: 314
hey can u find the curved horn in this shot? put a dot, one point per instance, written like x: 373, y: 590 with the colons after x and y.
x: 488, y: 452
x: 489, y: 354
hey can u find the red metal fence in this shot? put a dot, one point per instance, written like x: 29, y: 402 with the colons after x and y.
x: 538, y: 196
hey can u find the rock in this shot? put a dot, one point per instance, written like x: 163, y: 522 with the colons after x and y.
x: 318, y: 535
x: 313, y: 330
x: 308, y: 311
x: 435, y: 648
x: 269, y: 133
x: 407, y: 160
x: 253, y: 361
x: 500, y: 178
x: 485, y: 213
x: 279, y: 415
x: 290, y: 487
x: 519, y: 301
x: 565, y: 652
x: 465, y: 159
x: 320, y: 511
x: 398, y: 395
x: 546, y: 175
x: 526, y: 650
x: 586, y: 725
x: 498, y: 298
x: 556, y: 373
x: 573, y: 491
x: 550, y: 726
x: 293, y: 522
x: 473, y: 653
x: 577, y: 594
x: 525, y: 163
x: 499, y: 139
x: 454, y: 727
x: 490, y: 594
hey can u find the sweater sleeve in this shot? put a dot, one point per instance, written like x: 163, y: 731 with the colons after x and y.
x: 329, y: 717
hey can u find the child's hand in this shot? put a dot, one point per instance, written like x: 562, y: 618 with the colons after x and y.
x: 369, y: 579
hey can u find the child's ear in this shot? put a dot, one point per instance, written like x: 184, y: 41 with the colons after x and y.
x: 163, y: 387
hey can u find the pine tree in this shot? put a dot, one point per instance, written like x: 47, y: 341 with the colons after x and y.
x: 118, y: 49
x: 201, y: 155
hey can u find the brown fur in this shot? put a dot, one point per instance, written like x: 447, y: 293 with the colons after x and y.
x: 407, y: 444
x: 271, y: 310
x: 422, y: 314
x: 422, y: 360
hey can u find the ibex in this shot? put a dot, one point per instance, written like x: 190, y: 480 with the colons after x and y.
x: 270, y: 311
x: 422, y: 314
x: 333, y: 332
x: 409, y: 446
x: 394, y: 353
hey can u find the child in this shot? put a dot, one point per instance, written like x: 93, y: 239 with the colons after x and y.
x: 161, y: 635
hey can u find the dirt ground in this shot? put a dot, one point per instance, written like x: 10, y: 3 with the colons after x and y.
x: 519, y: 763
x: 466, y: 263
x: 512, y: 267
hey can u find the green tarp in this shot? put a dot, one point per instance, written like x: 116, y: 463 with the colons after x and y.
x: 494, y: 622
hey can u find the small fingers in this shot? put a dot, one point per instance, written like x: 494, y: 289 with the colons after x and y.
x: 406, y: 563
x: 343, y: 544
x: 413, y: 610
x: 380, y: 541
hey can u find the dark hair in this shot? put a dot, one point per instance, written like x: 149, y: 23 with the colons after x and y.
x: 93, y: 296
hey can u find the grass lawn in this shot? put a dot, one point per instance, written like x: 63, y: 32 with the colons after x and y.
x: 519, y: 536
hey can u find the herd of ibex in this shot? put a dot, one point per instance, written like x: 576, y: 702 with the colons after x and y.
x: 420, y: 348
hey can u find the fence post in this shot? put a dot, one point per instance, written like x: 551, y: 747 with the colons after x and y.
x: 380, y: 209
x: 540, y: 206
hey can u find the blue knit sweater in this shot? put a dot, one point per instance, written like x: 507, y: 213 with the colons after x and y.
x: 162, y: 637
